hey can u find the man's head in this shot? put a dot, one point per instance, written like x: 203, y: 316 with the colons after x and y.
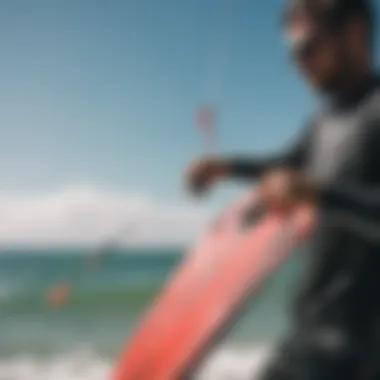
x: 331, y: 40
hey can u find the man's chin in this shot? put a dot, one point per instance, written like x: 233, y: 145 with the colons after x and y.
x: 322, y: 88
x: 326, y: 87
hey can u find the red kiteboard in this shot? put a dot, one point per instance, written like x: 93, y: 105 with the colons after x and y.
x: 185, y: 287
x: 267, y: 246
x: 229, y: 266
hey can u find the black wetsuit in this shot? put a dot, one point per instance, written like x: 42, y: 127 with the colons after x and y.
x: 336, y: 331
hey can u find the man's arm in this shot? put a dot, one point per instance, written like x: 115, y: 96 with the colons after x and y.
x: 354, y: 206
x: 253, y: 167
x: 361, y: 200
x: 356, y: 203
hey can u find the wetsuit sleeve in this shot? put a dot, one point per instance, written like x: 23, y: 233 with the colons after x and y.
x: 293, y: 157
x: 363, y: 201
x: 359, y: 201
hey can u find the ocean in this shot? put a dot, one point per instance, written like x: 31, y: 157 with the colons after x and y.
x: 81, y: 340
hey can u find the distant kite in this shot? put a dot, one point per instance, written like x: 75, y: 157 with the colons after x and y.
x: 207, y: 125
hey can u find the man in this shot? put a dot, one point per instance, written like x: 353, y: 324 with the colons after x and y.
x: 335, y: 165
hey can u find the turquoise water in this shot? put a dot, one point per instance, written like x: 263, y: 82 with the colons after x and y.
x: 108, y: 302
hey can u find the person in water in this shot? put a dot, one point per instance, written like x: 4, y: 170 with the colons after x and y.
x: 334, y: 165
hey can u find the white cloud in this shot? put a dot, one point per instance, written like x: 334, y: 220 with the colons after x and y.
x: 84, y: 215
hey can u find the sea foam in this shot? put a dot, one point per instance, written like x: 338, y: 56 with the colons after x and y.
x: 225, y: 364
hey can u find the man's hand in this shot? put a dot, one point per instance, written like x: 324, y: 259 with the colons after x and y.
x: 282, y: 189
x: 202, y: 174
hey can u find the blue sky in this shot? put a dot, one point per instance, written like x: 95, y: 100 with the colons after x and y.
x: 104, y: 93
x: 93, y: 90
